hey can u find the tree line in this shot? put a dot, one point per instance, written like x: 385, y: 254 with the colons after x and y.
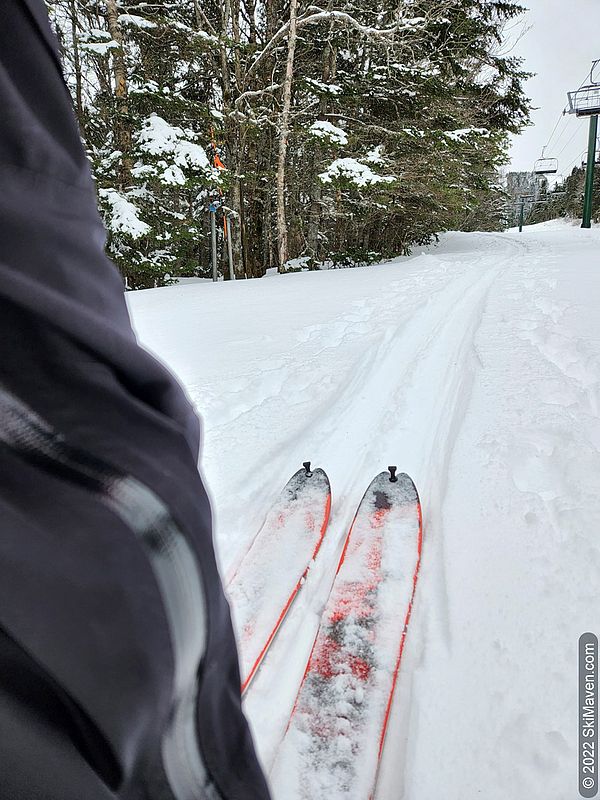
x: 327, y: 134
x: 566, y: 198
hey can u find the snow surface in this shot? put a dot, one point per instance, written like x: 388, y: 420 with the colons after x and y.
x: 474, y: 367
x: 329, y: 88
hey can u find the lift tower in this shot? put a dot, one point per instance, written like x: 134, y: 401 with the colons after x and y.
x: 585, y: 102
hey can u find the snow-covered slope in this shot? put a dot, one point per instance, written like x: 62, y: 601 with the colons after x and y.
x: 475, y: 367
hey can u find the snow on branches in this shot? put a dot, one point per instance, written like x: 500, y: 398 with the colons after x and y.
x: 352, y: 171
x: 158, y: 138
x: 123, y: 216
x: 357, y: 128
x: 326, y: 130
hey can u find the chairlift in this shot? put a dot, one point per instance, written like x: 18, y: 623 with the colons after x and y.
x: 583, y: 158
x: 585, y: 101
x: 545, y: 166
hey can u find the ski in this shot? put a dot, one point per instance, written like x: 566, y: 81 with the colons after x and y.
x: 336, y: 734
x: 268, y: 579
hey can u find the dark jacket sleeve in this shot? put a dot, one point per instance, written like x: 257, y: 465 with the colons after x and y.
x: 118, y: 668
x: 52, y: 258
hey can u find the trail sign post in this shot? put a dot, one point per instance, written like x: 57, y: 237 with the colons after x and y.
x: 213, y: 235
x: 524, y: 198
x: 228, y: 232
x: 521, y: 215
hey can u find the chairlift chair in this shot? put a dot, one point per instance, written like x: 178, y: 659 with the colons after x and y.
x: 585, y: 101
x: 546, y: 166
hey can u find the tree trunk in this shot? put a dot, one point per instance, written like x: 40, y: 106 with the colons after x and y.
x: 316, y: 191
x: 76, y: 63
x: 236, y: 232
x: 314, y: 219
x: 282, y: 234
x: 122, y: 122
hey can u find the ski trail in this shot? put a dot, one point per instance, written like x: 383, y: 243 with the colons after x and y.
x: 310, y: 384
x: 430, y: 353
x: 429, y: 452
x: 523, y: 466
x: 382, y: 338
x: 473, y: 366
x: 430, y: 440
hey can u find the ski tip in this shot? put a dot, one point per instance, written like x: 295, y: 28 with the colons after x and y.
x: 404, y: 486
x: 307, y: 475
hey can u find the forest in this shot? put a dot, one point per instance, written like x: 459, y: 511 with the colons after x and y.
x: 566, y: 198
x: 311, y: 135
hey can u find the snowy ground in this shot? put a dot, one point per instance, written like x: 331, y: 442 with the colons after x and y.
x: 475, y: 367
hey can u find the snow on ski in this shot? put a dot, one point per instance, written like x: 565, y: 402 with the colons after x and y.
x: 335, y: 738
x: 271, y: 574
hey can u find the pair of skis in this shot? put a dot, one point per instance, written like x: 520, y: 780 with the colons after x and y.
x: 335, y: 737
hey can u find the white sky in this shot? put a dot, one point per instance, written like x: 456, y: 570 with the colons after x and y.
x: 562, y: 41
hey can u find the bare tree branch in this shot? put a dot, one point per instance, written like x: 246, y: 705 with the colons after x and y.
x: 319, y: 15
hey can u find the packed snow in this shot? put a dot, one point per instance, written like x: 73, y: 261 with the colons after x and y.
x: 474, y: 366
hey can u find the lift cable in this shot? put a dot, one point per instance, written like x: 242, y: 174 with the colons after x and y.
x: 561, y: 116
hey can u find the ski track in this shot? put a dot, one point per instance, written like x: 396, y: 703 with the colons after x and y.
x: 428, y: 348
x: 381, y: 369
x: 543, y: 377
x: 453, y: 368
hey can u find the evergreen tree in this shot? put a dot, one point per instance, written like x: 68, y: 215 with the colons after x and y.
x: 566, y: 198
x: 348, y: 132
